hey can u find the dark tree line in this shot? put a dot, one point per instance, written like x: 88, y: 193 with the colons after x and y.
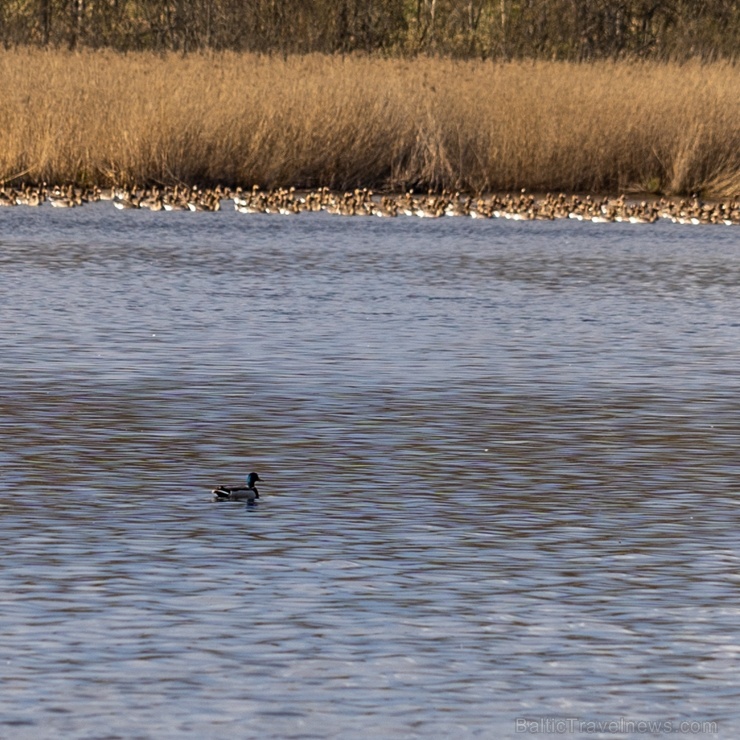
x: 500, y: 29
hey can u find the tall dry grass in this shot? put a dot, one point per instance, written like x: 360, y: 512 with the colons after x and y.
x: 101, y: 117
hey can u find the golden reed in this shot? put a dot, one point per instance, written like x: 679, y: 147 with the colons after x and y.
x: 241, y: 119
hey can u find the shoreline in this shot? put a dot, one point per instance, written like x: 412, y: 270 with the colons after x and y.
x: 520, y: 206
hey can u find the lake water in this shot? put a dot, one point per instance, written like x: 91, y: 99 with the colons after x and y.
x: 500, y: 466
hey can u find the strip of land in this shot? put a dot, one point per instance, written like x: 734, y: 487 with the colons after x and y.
x: 107, y: 119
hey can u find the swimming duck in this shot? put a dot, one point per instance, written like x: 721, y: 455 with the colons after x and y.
x: 248, y: 493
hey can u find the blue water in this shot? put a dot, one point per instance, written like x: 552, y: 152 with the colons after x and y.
x: 500, y: 477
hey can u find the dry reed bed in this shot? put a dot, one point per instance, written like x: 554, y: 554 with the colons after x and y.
x: 100, y: 117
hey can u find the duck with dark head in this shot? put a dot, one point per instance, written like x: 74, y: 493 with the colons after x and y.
x: 248, y: 493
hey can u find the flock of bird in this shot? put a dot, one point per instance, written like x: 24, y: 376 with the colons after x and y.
x: 363, y: 202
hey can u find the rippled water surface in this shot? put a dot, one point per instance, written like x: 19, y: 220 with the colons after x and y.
x: 500, y: 467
